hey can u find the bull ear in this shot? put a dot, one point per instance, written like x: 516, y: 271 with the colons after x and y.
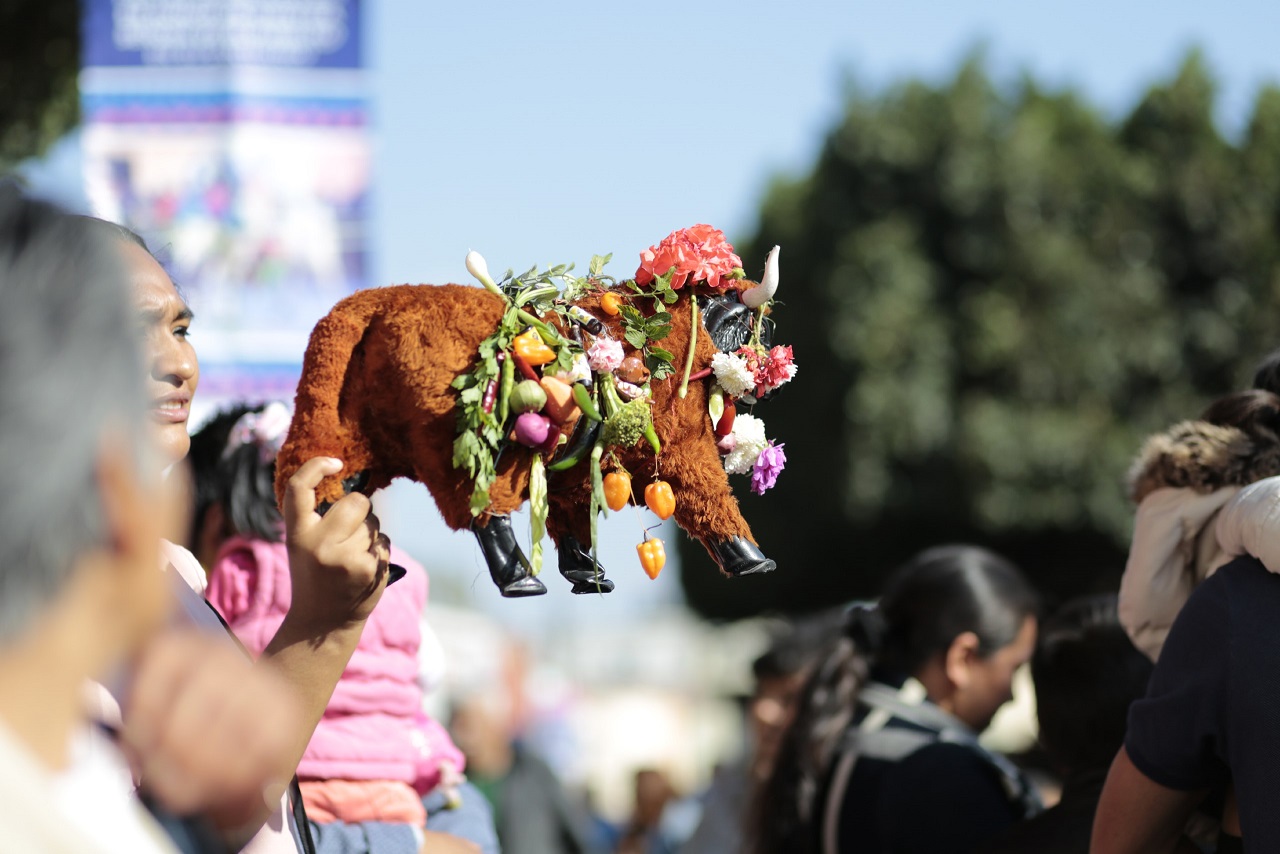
x: 763, y: 292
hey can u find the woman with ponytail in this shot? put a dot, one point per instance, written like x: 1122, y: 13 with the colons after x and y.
x: 883, y: 753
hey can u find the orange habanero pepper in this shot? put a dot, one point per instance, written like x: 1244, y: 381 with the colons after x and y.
x: 617, y: 489
x: 530, y: 347
x: 611, y: 304
x: 652, y: 556
x: 660, y: 499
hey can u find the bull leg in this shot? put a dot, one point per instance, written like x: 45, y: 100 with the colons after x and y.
x: 707, y: 509
x: 508, y: 567
x: 576, y: 565
x: 569, y: 525
x: 739, y: 556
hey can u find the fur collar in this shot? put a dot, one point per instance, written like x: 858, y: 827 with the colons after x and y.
x: 1203, y: 457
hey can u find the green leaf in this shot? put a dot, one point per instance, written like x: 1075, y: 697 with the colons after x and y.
x: 598, y: 262
x: 657, y: 333
x: 635, y: 337
x: 479, y: 499
x: 660, y: 354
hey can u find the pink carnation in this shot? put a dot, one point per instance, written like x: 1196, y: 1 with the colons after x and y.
x: 767, y: 468
x: 605, y: 355
x: 775, y: 369
x: 697, y: 254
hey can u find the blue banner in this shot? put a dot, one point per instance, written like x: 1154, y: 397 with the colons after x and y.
x: 233, y: 136
x: 275, y: 33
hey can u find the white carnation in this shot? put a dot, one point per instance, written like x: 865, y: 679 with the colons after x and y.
x: 748, y: 434
x: 733, y: 374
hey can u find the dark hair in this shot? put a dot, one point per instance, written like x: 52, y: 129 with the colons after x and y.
x: 1087, y: 672
x: 1255, y: 412
x: 1266, y: 376
x: 794, y: 647
x: 237, y: 479
x: 927, y: 603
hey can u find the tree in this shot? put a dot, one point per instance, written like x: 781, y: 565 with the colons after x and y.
x: 994, y: 298
x: 39, y: 63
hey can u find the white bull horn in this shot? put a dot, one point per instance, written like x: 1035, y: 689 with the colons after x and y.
x: 763, y: 292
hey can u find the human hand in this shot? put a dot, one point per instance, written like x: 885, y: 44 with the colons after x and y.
x: 207, y: 731
x: 338, y: 562
x: 434, y: 842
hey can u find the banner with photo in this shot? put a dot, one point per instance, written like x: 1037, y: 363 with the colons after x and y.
x: 233, y: 136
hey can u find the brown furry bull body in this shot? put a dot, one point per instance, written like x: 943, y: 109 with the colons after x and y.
x: 376, y: 394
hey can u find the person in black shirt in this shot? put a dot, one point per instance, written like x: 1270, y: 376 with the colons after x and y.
x: 1209, y: 719
x: 883, y: 754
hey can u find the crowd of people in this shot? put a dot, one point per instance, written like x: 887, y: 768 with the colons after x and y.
x: 186, y: 665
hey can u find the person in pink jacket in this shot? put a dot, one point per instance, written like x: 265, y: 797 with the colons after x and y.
x: 375, y: 754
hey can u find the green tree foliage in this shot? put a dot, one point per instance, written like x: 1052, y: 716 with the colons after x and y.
x: 993, y: 298
x: 39, y: 62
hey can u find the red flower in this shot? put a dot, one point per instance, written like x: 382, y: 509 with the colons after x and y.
x: 697, y: 254
x: 774, y: 369
x: 752, y: 358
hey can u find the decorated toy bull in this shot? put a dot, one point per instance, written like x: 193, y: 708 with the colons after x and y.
x: 565, y: 398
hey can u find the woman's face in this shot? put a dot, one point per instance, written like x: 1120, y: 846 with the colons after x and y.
x: 173, y: 372
x: 989, y: 682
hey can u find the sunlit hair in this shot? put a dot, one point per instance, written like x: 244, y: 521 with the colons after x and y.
x: 69, y: 374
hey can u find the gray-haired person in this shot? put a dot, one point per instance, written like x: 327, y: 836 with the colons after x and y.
x: 95, y: 659
x: 80, y: 521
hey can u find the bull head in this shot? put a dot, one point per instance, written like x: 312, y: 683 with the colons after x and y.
x: 730, y: 317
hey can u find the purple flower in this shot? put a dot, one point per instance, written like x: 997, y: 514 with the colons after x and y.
x: 768, y: 466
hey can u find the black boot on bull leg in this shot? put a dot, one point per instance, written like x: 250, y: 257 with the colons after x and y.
x: 508, y: 567
x: 577, y: 566
x: 739, y: 556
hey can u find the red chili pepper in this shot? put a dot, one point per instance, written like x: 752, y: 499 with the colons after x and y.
x: 700, y: 375
x: 524, y: 366
x: 725, y: 425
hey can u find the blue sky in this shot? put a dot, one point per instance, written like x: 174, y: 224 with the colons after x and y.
x: 547, y: 132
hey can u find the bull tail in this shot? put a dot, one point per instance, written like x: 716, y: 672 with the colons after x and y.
x: 317, y: 428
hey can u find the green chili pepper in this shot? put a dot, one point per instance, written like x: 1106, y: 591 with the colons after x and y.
x: 504, y: 388
x: 582, y: 397
x: 652, y: 435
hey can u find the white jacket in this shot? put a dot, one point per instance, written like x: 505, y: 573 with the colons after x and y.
x: 1205, y: 495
